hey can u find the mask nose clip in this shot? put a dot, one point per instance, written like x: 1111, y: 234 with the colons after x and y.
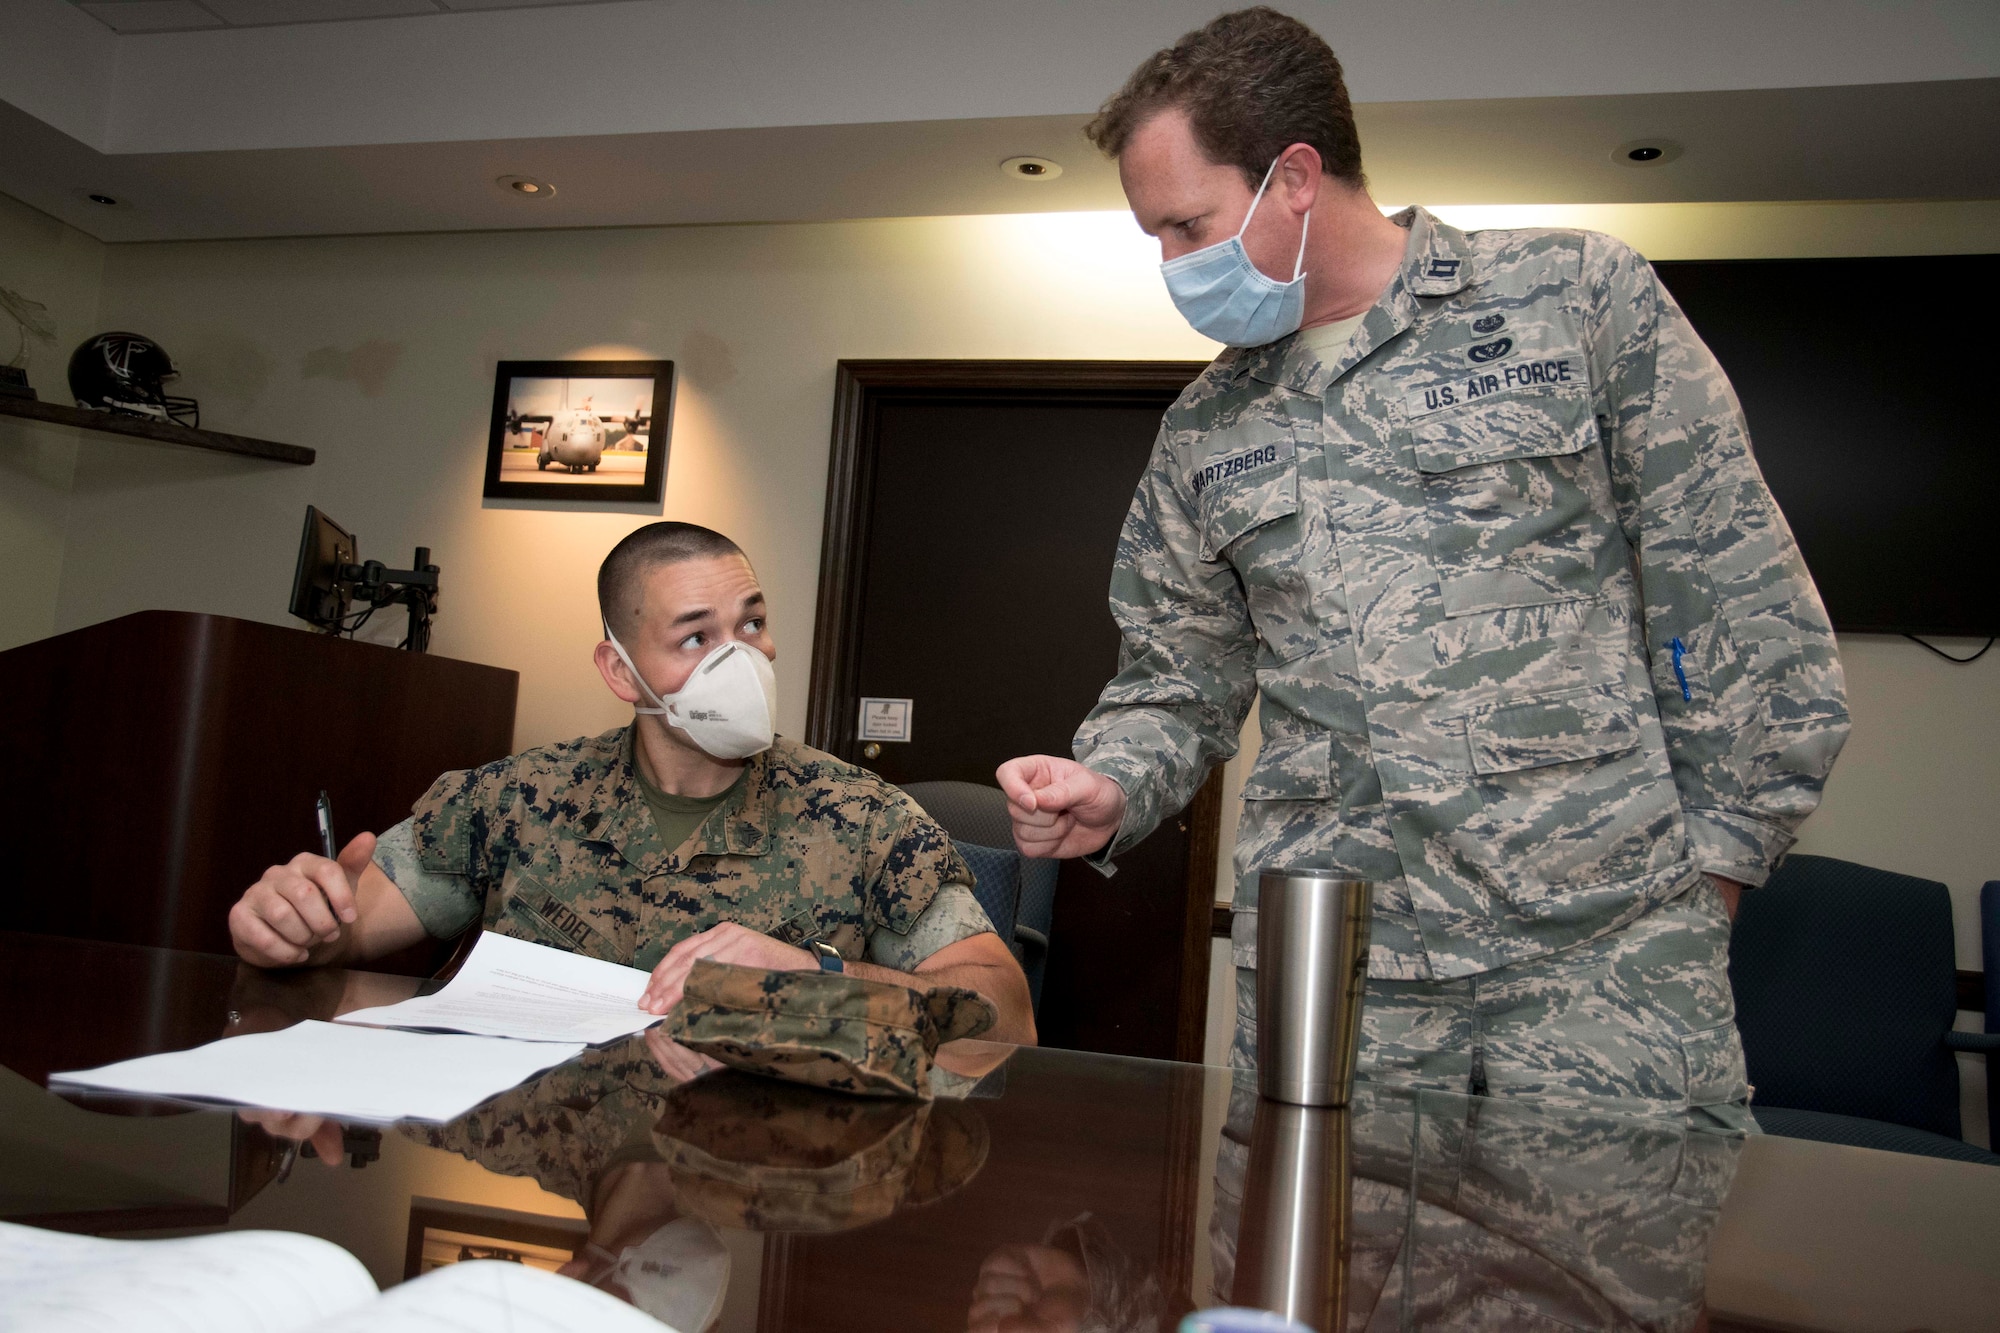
x: 728, y: 713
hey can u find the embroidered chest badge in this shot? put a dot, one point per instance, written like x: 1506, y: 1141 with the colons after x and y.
x: 1488, y: 323
x: 1493, y: 351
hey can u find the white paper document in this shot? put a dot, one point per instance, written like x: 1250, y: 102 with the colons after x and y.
x: 347, y: 1073
x: 232, y: 1282
x: 530, y: 992
x: 277, y: 1282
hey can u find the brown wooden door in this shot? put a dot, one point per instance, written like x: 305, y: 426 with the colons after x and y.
x: 973, y: 513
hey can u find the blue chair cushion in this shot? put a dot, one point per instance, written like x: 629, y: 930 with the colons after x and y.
x: 1854, y: 1131
x: 1845, y: 987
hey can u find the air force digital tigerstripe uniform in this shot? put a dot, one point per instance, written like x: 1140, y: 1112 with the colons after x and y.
x: 1533, y: 645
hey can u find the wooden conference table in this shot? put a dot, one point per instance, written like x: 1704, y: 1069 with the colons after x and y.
x: 1062, y: 1190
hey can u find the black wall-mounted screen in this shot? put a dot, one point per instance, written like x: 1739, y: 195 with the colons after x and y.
x: 1872, y: 389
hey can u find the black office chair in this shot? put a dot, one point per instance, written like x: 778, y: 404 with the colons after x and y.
x: 1845, y: 995
x: 976, y: 818
x: 1989, y: 934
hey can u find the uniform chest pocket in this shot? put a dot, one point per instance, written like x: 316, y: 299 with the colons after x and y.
x: 1251, y: 519
x: 1518, y: 497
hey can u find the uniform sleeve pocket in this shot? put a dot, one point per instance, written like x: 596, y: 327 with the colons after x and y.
x: 1235, y: 504
x: 1579, y: 724
x: 1521, y: 425
x: 1292, y: 768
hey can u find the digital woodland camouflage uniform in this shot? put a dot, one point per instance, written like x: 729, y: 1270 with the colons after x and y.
x: 613, y: 1105
x: 567, y: 1127
x: 556, y: 845
x: 848, y: 1034
x: 1533, y: 645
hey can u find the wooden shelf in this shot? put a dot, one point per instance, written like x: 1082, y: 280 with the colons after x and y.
x: 159, y: 432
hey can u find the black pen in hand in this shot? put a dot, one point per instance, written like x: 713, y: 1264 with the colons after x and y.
x: 325, y: 812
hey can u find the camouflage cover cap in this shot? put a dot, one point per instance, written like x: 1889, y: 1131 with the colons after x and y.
x: 824, y: 1029
x: 749, y: 1153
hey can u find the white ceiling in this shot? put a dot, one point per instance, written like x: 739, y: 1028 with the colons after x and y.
x: 672, y: 111
x: 140, y: 16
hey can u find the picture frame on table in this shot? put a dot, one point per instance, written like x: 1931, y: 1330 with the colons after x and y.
x: 444, y: 1231
x: 590, y: 431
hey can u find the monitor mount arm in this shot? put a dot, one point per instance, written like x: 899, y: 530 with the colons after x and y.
x: 376, y: 584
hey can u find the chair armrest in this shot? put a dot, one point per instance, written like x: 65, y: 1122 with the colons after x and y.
x: 1029, y: 935
x: 1988, y: 1042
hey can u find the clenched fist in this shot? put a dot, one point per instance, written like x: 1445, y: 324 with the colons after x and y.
x: 1059, y: 807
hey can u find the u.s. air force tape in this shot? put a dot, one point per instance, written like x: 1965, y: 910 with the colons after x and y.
x: 1550, y: 371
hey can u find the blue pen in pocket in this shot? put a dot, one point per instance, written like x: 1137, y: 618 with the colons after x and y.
x: 1680, y: 672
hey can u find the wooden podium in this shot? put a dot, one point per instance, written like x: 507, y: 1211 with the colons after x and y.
x: 152, y: 766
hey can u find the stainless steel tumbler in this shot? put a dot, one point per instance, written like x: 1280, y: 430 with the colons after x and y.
x: 1312, y: 967
x: 1293, y: 1242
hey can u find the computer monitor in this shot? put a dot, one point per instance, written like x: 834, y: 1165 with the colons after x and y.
x: 320, y: 590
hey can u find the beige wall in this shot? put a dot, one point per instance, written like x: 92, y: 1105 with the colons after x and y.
x: 60, y: 268
x: 379, y: 353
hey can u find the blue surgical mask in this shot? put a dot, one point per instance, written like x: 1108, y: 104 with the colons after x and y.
x: 1227, y: 298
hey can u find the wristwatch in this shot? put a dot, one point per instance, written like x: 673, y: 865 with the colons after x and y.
x: 829, y: 957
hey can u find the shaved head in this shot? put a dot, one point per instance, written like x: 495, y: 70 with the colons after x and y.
x: 621, y: 579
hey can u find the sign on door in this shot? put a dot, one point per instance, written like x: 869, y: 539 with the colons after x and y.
x: 885, y: 720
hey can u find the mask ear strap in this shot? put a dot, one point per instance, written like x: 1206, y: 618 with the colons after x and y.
x: 1305, y: 229
x: 659, y: 708
x: 1258, y: 197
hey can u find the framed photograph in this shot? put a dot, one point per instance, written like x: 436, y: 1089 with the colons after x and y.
x: 443, y: 1232
x: 580, y: 430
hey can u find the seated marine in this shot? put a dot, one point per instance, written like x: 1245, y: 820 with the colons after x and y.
x: 692, y: 833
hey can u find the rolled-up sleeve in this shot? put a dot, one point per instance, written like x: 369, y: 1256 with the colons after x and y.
x: 953, y: 915
x: 912, y: 860
x: 445, y: 903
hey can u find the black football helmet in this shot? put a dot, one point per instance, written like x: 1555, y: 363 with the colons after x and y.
x: 123, y: 372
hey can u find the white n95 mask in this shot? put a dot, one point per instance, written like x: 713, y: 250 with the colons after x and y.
x: 727, y: 704
x: 1228, y: 298
x: 678, y: 1275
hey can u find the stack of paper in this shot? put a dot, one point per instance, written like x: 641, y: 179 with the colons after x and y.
x: 276, y: 1282
x: 548, y: 1003
x: 352, y: 1074
x: 529, y: 992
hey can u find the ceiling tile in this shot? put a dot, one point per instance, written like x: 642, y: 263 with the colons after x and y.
x: 517, y: 4
x: 251, y: 13
x: 151, y: 15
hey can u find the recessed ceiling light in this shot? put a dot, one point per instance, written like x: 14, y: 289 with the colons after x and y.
x: 1031, y: 168
x: 1646, y: 153
x: 527, y: 188
x: 103, y: 199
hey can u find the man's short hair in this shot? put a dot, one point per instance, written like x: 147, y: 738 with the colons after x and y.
x: 621, y: 579
x: 1253, y: 83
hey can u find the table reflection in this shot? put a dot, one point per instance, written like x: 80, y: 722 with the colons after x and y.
x: 1466, y: 1212
x: 1055, y: 1191
x: 1408, y: 1210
